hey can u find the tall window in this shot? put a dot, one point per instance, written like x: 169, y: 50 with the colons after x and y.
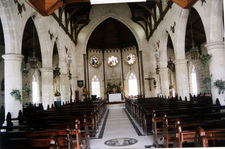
x: 35, y: 87
x: 133, y: 88
x: 95, y: 86
x: 194, y: 81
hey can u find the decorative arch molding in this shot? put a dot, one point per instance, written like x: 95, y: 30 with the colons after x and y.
x: 179, y: 40
x: 211, y: 14
x: 124, y: 18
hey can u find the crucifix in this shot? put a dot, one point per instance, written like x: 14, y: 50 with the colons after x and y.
x: 149, y: 82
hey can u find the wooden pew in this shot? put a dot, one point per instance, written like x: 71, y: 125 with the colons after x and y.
x: 65, y: 138
x: 178, y: 133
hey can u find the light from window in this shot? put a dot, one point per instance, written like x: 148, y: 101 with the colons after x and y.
x: 35, y: 92
x: 112, y: 61
x: 95, y: 86
x: 130, y: 59
x: 133, y: 90
x: 194, y: 81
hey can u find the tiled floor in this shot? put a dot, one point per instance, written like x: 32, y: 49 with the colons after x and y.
x: 119, y: 126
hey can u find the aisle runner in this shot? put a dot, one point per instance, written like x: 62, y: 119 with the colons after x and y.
x: 119, y: 132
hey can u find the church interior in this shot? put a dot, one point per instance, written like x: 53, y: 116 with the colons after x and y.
x: 98, y: 74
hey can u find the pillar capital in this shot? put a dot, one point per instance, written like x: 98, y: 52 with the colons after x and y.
x: 13, y: 57
x: 46, y: 69
x: 163, y: 69
x: 180, y: 61
x: 214, y: 45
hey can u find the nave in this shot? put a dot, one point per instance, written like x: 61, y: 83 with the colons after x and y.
x: 118, y: 125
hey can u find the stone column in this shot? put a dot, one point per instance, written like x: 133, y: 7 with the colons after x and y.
x: 182, y: 78
x: 13, y: 80
x: 47, y: 86
x: 216, y: 68
x: 164, y: 81
x: 64, y: 88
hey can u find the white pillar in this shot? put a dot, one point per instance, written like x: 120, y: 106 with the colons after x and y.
x: 64, y: 88
x: 182, y: 78
x: 47, y: 86
x: 216, y: 68
x: 13, y: 80
x: 164, y: 81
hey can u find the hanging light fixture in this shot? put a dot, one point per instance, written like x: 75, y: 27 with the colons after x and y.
x: 56, y: 71
x: 33, y: 60
x: 157, y: 69
x: 171, y: 65
x: 194, y: 50
x: 70, y: 76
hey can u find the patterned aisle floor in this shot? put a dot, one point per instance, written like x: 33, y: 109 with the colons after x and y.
x: 118, y: 125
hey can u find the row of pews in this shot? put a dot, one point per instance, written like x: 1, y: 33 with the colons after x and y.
x: 178, y: 123
x: 67, y: 126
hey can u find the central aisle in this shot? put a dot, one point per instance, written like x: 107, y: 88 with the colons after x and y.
x: 118, y: 125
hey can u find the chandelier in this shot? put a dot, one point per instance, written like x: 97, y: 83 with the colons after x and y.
x: 171, y: 65
x: 33, y: 59
x: 194, y: 50
x: 56, y: 71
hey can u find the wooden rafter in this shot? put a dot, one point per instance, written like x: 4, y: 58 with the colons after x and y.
x: 187, y: 4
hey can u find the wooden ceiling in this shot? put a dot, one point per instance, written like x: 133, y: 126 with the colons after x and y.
x: 112, y: 33
x: 47, y: 7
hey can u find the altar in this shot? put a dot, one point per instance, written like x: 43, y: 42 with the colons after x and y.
x: 115, y: 97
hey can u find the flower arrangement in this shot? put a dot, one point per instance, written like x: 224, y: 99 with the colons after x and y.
x: 57, y: 93
x: 16, y: 93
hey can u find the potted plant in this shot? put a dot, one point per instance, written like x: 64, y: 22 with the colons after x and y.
x: 16, y: 93
x: 220, y: 84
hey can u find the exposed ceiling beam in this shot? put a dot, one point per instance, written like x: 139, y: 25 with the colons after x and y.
x: 186, y: 4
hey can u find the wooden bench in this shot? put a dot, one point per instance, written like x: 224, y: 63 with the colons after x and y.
x: 178, y: 133
x: 65, y: 138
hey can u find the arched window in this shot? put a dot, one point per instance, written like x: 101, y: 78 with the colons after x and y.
x: 35, y: 87
x: 194, y: 81
x: 133, y: 88
x: 95, y: 83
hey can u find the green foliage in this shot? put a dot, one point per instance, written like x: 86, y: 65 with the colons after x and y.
x: 26, y: 88
x: 205, y: 59
x: 207, y: 83
x: 25, y: 69
x: 220, y: 84
x: 16, y: 93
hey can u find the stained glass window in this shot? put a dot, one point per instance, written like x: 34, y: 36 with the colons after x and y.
x: 94, y: 61
x: 130, y: 59
x: 112, y: 61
